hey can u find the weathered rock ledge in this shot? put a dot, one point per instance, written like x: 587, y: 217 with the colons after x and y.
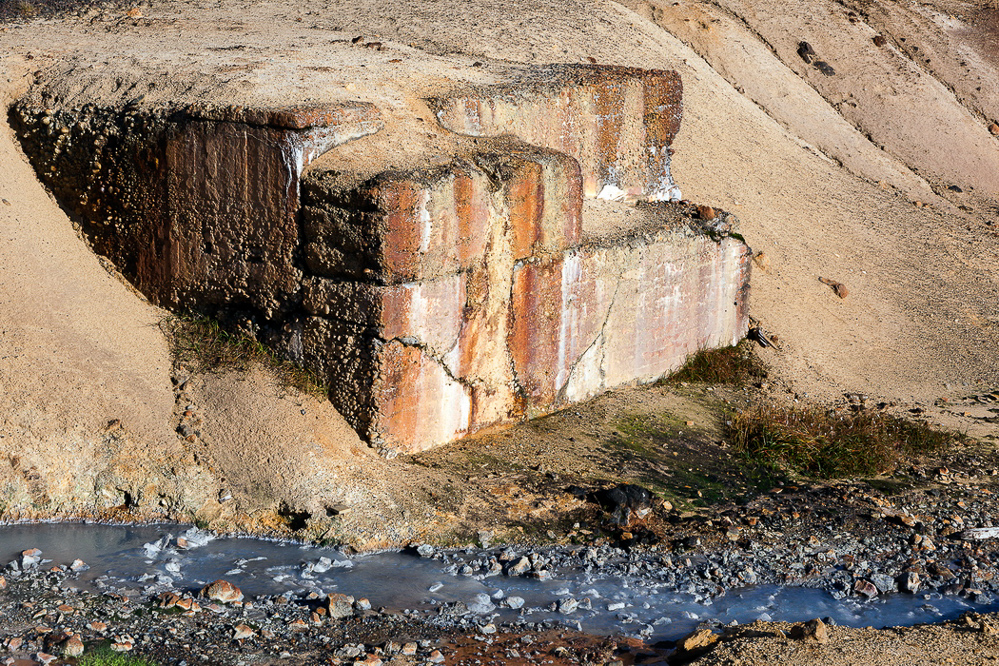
x: 538, y: 258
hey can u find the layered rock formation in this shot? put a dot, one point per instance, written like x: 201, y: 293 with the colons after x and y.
x: 536, y: 262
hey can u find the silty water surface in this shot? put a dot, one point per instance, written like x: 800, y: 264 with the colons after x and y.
x: 147, y: 559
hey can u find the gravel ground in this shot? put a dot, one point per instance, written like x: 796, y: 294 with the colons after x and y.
x: 915, y: 535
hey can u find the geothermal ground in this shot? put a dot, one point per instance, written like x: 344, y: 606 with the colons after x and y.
x: 856, y: 142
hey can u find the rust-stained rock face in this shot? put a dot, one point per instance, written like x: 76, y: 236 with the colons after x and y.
x: 199, y: 207
x: 617, y: 122
x: 606, y: 315
x: 504, y: 279
x: 432, y: 360
x: 401, y: 226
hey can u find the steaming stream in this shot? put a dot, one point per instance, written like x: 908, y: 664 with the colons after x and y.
x: 147, y: 559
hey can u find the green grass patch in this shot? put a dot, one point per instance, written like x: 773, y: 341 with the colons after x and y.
x: 826, y: 444
x: 646, y: 434
x: 735, y: 365
x: 203, y: 345
x: 105, y: 657
x: 643, y: 448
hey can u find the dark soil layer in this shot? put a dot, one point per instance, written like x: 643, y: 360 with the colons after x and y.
x: 28, y: 10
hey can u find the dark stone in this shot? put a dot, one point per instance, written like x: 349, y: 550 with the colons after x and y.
x: 623, y: 501
x: 806, y: 51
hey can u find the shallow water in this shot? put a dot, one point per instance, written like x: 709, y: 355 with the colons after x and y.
x: 147, y: 559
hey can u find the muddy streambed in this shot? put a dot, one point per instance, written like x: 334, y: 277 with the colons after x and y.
x: 597, y: 590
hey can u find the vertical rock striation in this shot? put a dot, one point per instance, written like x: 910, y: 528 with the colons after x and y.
x: 541, y: 261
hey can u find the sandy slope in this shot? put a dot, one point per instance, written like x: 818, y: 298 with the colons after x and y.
x: 78, y: 349
x: 824, y: 172
x: 88, y: 409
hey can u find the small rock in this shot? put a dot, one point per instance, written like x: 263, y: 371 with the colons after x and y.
x: 409, y: 649
x: 838, y: 287
x: 3, y: 583
x: 519, y: 568
x: 805, y: 51
x: 814, y: 630
x: 513, y: 602
x: 73, y: 647
x: 481, y: 603
x: 30, y: 557
x: 883, y: 582
x: 698, y: 639
x: 825, y: 67
x: 865, y: 588
x: 568, y: 605
x: 189, y: 605
x: 762, y: 261
x: 168, y: 599
x: 436, y: 657
x: 706, y: 212
x: 909, y: 582
x: 241, y: 631
x: 696, y: 643
x: 298, y: 624
x: 339, y: 605
x: 879, y: 40
x: 45, y: 658
x: 994, y: 129
x: 222, y: 591
x: 97, y: 626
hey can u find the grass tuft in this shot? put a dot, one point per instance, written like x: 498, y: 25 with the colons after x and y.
x: 202, y: 345
x: 105, y: 657
x: 826, y: 444
x: 728, y: 365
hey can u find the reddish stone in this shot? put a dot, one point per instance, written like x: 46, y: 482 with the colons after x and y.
x: 418, y: 225
x: 429, y: 311
x: 537, y: 327
x: 618, y: 122
x: 222, y: 591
